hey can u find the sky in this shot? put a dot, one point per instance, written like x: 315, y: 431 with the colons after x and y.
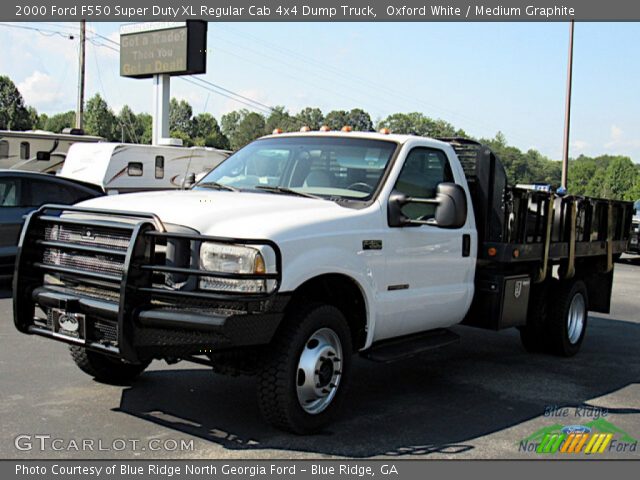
x: 481, y: 77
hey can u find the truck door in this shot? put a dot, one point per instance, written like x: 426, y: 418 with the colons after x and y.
x: 429, y: 274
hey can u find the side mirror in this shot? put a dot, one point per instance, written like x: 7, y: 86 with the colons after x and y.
x: 45, y: 156
x: 451, y: 208
x: 189, y: 180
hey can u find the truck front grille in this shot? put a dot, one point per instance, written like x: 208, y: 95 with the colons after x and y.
x: 89, y: 236
x: 97, y: 250
x: 89, y: 263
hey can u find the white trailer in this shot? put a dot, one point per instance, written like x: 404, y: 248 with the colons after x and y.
x: 19, y: 150
x: 124, y: 167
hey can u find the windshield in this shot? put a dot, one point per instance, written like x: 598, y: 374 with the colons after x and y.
x: 331, y: 167
x: 636, y: 207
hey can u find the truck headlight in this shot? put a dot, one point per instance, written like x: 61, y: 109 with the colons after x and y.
x: 224, y: 258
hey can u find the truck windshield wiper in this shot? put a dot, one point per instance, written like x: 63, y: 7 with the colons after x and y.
x: 290, y: 191
x: 218, y: 186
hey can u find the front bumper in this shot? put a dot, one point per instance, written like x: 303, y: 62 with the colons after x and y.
x: 128, y: 314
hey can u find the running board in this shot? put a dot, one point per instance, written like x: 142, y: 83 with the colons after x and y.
x: 408, y: 346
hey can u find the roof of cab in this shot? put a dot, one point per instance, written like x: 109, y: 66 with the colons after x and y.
x: 401, y: 139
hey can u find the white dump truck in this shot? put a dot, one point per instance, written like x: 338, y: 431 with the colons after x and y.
x: 302, y: 250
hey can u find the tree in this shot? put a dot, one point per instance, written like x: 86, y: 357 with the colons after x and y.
x: 13, y: 113
x: 242, y: 127
x: 145, y: 123
x: 359, y: 120
x: 336, y: 119
x: 180, y: 113
x: 229, y: 124
x: 129, y: 128
x: 60, y: 121
x: 251, y: 126
x: 620, y: 177
x: 206, y: 132
x: 99, y: 119
x: 310, y: 117
x: 280, y: 118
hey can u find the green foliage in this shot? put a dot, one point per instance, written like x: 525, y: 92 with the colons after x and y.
x: 336, y: 119
x: 180, y: 113
x: 206, y: 132
x: 310, y: 117
x: 59, y: 121
x: 99, y: 119
x: 359, y: 120
x: 13, y: 113
x: 416, y: 123
x: 280, y: 118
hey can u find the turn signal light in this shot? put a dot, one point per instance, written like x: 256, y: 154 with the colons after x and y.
x: 492, y: 252
x: 276, y: 131
x: 516, y: 253
x: 385, y: 131
x: 325, y: 128
x: 346, y: 128
x: 305, y: 129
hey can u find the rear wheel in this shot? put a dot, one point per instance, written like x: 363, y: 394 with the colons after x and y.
x: 568, y: 318
x: 302, y: 385
x: 105, y: 368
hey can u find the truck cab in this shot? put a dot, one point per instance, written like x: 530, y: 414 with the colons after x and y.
x: 301, y: 250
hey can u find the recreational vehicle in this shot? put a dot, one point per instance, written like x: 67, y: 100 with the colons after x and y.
x: 19, y: 150
x: 123, y: 167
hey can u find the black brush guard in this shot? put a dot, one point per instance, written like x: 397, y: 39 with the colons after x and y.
x: 151, y: 320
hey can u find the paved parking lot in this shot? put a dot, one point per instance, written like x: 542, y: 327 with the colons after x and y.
x: 476, y: 399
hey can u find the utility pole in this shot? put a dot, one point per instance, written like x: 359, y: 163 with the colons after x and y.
x: 567, y: 111
x: 80, y: 106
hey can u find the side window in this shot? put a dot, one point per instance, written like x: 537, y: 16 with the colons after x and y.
x: 159, y: 166
x: 423, y: 170
x: 134, y: 169
x: 9, y: 192
x: 25, y: 151
x: 4, y: 149
x: 50, y: 192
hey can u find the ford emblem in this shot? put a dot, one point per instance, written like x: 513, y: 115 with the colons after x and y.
x: 576, y: 429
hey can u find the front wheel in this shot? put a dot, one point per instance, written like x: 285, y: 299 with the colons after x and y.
x: 303, y: 382
x: 105, y: 368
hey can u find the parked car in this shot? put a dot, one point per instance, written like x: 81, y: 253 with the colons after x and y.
x: 22, y: 192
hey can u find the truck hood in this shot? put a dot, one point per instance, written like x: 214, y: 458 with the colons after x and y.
x: 233, y: 214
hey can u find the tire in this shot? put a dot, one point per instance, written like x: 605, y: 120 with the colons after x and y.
x: 534, y: 335
x: 303, y: 364
x: 568, y: 318
x: 105, y: 368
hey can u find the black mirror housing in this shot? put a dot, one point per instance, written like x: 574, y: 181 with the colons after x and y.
x: 44, y: 156
x: 451, y: 209
x: 452, y: 206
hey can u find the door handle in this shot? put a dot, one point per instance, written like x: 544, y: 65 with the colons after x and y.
x: 466, y: 245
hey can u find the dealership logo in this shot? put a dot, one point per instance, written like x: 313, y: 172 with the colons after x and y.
x: 595, y: 437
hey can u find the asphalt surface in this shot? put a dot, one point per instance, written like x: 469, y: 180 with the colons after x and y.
x: 476, y: 399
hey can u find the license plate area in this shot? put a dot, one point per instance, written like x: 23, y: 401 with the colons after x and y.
x: 67, y: 325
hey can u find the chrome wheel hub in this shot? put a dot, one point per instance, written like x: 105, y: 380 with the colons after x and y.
x: 576, y: 318
x: 319, y: 371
